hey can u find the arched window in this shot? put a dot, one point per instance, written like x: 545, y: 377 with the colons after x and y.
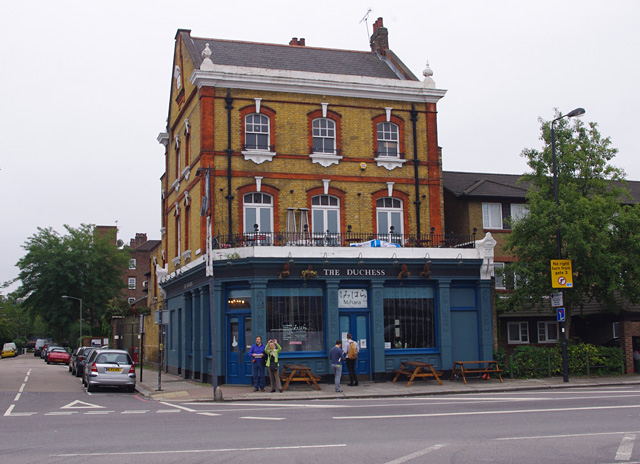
x: 256, y: 136
x: 390, y: 216
x: 258, y: 211
x: 325, y: 216
x: 388, y: 139
x: 324, y: 136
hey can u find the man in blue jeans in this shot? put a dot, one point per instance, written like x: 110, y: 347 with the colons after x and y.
x: 257, y: 353
x: 336, y: 356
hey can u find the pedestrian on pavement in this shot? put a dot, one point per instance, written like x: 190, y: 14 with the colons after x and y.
x: 336, y: 356
x: 272, y: 349
x: 351, y: 350
x: 257, y: 353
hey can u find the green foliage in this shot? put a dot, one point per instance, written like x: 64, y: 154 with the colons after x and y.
x: 600, y: 234
x: 530, y: 361
x: 80, y: 264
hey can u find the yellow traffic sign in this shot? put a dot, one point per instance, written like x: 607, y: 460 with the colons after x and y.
x: 561, y: 275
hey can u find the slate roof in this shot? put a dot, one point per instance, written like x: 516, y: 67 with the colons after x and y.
x: 148, y: 245
x: 292, y: 58
x: 485, y: 185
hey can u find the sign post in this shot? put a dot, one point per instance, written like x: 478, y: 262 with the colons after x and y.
x: 561, y: 277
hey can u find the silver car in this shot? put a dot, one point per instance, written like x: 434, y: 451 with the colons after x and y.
x: 109, y: 368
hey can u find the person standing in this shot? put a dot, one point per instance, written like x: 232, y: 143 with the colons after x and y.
x: 336, y: 355
x: 351, y: 351
x: 271, y: 351
x: 257, y: 353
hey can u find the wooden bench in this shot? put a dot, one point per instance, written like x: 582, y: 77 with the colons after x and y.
x: 475, y: 367
x: 416, y: 369
x: 298, y: 373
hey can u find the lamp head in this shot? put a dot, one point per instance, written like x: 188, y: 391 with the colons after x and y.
x: 576, y: 113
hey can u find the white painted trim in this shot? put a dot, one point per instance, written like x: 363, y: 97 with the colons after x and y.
x: 275, y: 80
x: 258, y: 183
x: 325, y: 159
x: 324, y: 109
x: 258, y: 156
x: 389, y: 162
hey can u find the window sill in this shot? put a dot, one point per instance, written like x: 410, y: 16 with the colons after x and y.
x: 258, y: 156
x: 389, y: 162
x: 176, y: 185
x: 325, y: 159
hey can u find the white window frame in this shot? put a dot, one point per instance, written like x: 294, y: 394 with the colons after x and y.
x: 615, y: 326
x: 321, y: 208
x: 543, y: 332
x: 393, y: 215
x: 388, y: 134
x: 520, y: 340
x: 257, y: 133
x: 131, y: 300
x: 499, y: 276
x: 261, y: 210
x: 132, y: 263
x: 327, y: 133
x: 132, y: 283
x: 492, y: 219
x: 519, y: 211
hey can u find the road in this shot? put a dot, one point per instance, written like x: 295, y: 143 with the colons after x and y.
x: 46, y: 415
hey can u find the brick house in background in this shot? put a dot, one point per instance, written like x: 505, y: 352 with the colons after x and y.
x: 302, y: 200
x: 487, y: 202
x: 136, y: 276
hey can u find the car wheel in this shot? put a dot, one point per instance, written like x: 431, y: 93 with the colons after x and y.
x: 131, y: 389
x: 48, y: 362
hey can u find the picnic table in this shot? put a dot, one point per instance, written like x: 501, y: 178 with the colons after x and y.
x: 416, y: 369
x: 475, y: 367
x: 298, y: 373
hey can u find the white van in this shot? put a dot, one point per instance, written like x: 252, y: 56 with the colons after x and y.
x: 40, y: 343
x: 9, y: 349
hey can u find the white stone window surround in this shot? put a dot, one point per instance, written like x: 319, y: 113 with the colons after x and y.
x: 257, y: 155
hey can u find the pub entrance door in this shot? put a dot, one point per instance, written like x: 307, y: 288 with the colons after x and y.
x: 239, y: 343
x: 357, y: 322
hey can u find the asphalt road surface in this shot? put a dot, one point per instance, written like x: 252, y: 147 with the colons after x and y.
x: 47, y: 416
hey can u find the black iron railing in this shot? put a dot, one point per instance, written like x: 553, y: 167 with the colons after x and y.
x: 305, y: 239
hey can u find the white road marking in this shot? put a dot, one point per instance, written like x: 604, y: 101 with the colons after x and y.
x: 167, y: 411
x: 61, y: 413
x: 262, y: 418
x: 81, y: 405
x: 417, y: 454
x: 15, y: 400
x: 178, y: 406
x: 483, y: 413
x: 22, y: 387
x: 135, y: 411
x: 9, y: 409
x: 209, y: 414
x: 9, y: 412
x: 626, y: 447
x: 192, y: 451
x: 98, y: 412
x: 567, y: 435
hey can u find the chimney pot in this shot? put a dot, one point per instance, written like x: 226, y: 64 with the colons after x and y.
x: 301, y: 42
x: 294, y: 41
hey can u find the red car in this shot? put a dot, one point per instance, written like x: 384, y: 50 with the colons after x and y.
x: 58, y: 355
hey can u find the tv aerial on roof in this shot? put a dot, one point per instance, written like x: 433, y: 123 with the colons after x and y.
x: 365, y: 18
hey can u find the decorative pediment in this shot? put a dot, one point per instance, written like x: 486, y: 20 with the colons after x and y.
x: 258, y: 156
x: 325, y: 159
x: 390, y: 163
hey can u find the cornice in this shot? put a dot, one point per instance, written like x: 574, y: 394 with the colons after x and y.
x: 273, y: 80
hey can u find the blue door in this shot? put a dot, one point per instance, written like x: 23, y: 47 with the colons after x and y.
x: 238, y: 345
x: 358, y: 324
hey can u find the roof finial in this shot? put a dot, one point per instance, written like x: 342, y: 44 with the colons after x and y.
x: 428, y: 81
x: 207, y: 64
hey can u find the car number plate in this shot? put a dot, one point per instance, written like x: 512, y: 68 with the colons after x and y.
x: 113, y: 369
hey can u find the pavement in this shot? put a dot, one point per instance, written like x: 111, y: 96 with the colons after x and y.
x: 175, y: 388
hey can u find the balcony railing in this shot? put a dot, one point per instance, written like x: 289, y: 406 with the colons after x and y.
x: 306, y: 239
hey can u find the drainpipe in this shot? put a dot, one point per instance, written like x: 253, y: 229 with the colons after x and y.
x: 229, y: 101
x: 414, y: 120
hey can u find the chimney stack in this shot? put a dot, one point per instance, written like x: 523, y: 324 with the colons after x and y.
x: 380, y: 38
x: 296, y: 42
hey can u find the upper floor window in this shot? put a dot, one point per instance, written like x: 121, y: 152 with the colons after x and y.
x: 518, y: 211
x: 324, y: 136
x: 498, y: 272
x: 325, y: 214
x: 132, y: 263
x: 256, y: 135
x: 132, y: 283
x: 258, y: 212
x: 492, y: 215
x: 388, y: 139
x: 390, y: 215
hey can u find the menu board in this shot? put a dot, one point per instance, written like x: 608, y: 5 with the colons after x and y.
x: 294, y: 334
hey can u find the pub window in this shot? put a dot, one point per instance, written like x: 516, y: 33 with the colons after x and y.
x: 409, y: 318
x: 295, y: 316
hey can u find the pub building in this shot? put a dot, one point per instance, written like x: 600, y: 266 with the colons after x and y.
x: 302, y: 200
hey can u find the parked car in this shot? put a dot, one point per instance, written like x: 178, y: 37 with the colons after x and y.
x: 78, y: 356
x: 47, y: 347
x: 80, y: 364
x: 9, y: 349
x: 58, y: 355
x: 109, y: 368
x: 40, y: 342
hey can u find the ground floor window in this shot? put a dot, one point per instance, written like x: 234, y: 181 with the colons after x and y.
x: 547, y: 332
x: 518, y: 332
x: 295, y: 316
x: 409, y: 317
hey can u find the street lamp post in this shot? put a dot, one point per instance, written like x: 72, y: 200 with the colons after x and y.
x: 575, y: 113
x: 80, y: 300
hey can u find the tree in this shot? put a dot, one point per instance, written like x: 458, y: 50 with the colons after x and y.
x: 81, y: 264
x: 599, y: 223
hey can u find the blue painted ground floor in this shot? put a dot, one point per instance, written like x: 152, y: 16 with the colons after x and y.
x: 395, y: 311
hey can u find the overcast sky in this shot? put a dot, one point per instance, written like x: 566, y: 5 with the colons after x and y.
x: 85, y: 89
